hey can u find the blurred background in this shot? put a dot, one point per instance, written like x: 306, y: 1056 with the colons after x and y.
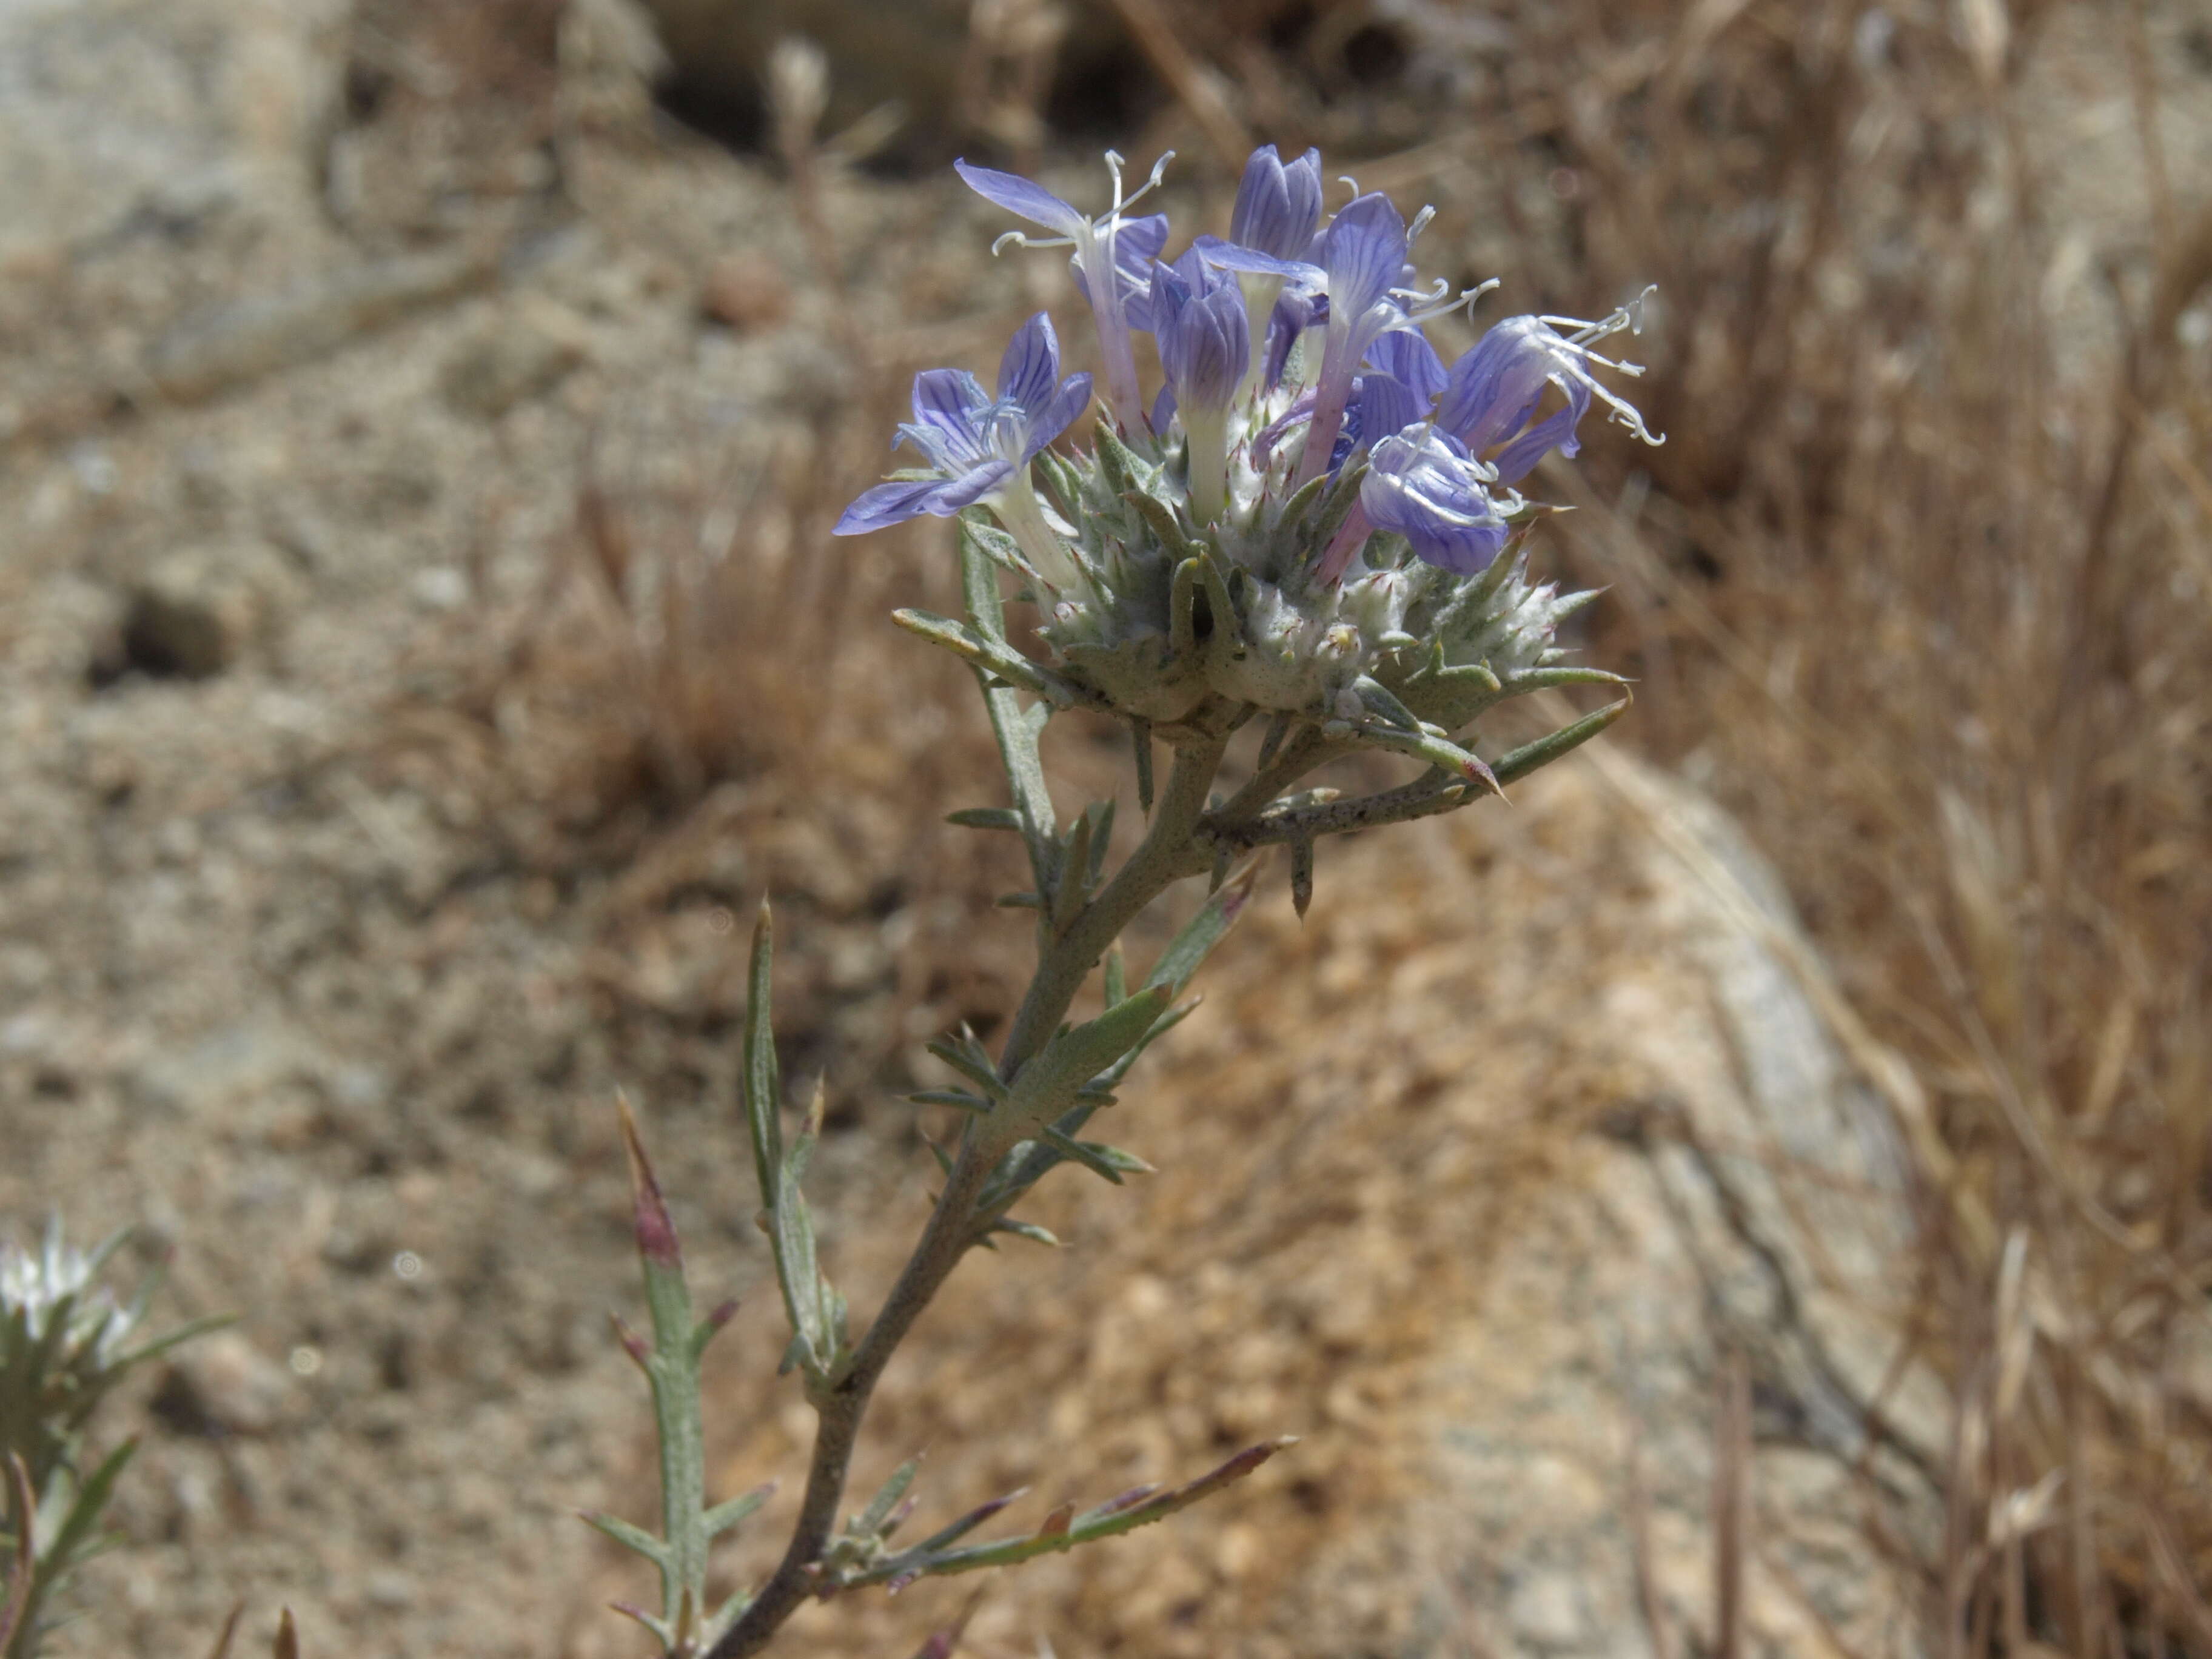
x: 421, y: 646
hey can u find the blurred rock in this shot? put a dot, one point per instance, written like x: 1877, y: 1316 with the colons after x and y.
x: 746, y: 291
x: 223, y: 1384
x: 523, y: 353
x: 235, y: 1064
x: 198, y: 609
x: 119, y: 114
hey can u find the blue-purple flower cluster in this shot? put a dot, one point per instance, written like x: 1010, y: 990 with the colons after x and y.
x: 1307, y: 439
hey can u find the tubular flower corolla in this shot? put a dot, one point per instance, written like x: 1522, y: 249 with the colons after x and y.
x: 1112, y: 259
x: 1423, y: 485
x: 1198, y: 324
x: 1489, y: 394
x: 981, y: 446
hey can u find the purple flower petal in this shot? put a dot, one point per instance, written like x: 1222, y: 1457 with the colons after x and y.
x: 956, y: 493
x: 1423, y: 485
x: 1199, y: 320
x: 1386, y: 404
x: 1016, y: 194
x: 1513, y: 462
x: 1229, y: 257
x: 1364, y: 252
x: 948, y: 402
x: 1493, y: 388
x: 1030, y: 372
x: 1278, y: 203
x: 1062, y: 411
x: 1137, y: 245
x: 885, y: 504
x: 1405, y: 355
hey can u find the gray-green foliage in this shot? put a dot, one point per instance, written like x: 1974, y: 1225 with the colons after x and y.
x: 1188, y: 634
x: 65, y: 1341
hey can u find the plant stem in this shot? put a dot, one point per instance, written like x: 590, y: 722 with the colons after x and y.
x: 1167, y: 854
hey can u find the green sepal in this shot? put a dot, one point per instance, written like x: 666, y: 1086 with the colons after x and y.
x: 1162, y: 520
x: 1300, y: 503
x: 1337, y: 507
x: 1121, y: 465
x: 1003, y: 551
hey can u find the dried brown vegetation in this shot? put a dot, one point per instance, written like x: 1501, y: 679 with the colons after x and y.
x: 1920, y: 585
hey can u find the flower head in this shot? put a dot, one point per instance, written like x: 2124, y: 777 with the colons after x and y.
x: 1315, y: 520
x: 976, y: 443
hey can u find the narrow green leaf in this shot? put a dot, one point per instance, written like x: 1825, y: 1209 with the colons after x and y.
x: 991, y: 657
x: 629, y: 1537
x: 1302, y: 876
x: 1126, y: 1514
x: 1196, y: 940
x: 1141, y: 733
x: 1073, y: 891
x: 798, y: 1270
x: 1439, y: 752
x: 966, y: 1056
x: 986, y: 818
x: 1027, y: 1230
x: 1015, y: 730
x: 1114, y: 1075
x: 77, y: 1531
x: 871, y: 1520
x: 1111, y: 1162
x: 1544, y: 751
x: 959, y: 1098
x: 759, y: 1085
x: 724, y: 1516
x: 1073, y: 1057
x: 1383, y: 703
x: 1114, y: 976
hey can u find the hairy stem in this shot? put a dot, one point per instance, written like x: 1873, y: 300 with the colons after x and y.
x: 1167, y: 854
